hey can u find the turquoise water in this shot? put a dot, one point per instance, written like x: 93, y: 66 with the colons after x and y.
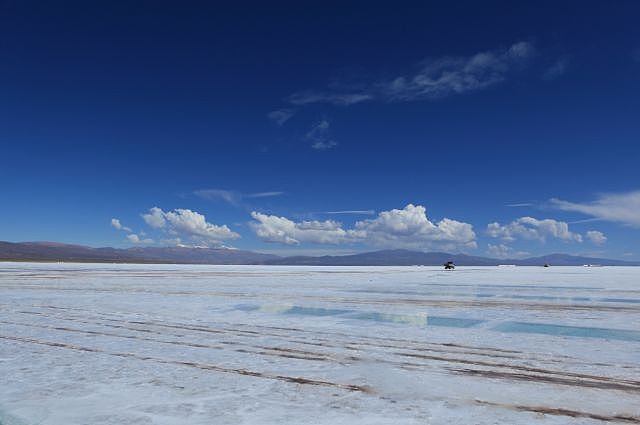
x: 506, y: 296
x: 423, y: 320
x: 574, y: 331
x: 420, y: 319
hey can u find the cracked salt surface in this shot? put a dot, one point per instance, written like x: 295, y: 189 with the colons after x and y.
x: 167, y: 344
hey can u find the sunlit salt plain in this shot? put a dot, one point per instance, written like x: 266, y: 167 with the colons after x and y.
x: 169, y: 344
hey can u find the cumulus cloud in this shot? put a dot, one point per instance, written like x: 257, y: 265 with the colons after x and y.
x: 319, y: 136
x: 281, y: 116
x: 115, y: 223
x: 232, y: 197
x: 407, y: 228
x: 271, y: 228
x: 533, y: 229
x: 133, y: 238
x: 616, y: 207
x: 155, y: 218
x: 435, y: 79
x: 596, y: 237
x: 191, y: 224
x: 503, y: 251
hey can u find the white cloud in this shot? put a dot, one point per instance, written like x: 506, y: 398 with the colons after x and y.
x: 407, y: 228
x: 191, y: 224
x: 449, y: 76
x: 133, y: 238
x: 263, y: 194
x: 521, y: 204
x: 281, y: 116
x: 410, y: 228
x: 155, y: 218
x: 503, y: 251
x: 436, y: 78
x: 617, y: 207
x: 231, y: 196
x: 115, y: 223
x: 533, y: 229
x: 319, y: 136
x: 271, y: 228
x: 596, y: 237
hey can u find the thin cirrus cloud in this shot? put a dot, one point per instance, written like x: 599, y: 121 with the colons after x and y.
x: 349, y: 212
x: 280, y: 116
x: 319, y: 136
x: 437, y: 78
x: 233, y: 197
x: 615, y: 207
x: 397, y: 228
x: 184, y: 223
x: 557, y: 69
x: 521, y: 204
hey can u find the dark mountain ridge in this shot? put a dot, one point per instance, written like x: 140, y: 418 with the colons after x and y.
x: 53, y: 251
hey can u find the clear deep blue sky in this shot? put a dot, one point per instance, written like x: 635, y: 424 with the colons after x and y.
x: 297, y: 110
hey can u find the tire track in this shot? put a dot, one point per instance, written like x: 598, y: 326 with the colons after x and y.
x: 203, y: 366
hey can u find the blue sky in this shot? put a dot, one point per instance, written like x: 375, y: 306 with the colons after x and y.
x: 496, y: 129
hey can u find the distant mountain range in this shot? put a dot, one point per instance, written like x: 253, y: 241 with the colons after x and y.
x: 402, y: 257
x: 52, y: 251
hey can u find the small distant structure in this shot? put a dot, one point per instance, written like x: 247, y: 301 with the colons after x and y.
x: 449, y: 265
x: 546, y: 265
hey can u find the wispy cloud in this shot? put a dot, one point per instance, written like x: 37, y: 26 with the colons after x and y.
x: 354, y: 212
x: 320, y: 137
x: 263, y: 194
x: 436, y: 78
x: 616, y: 207
x: 314, y: 96
x: 232, y: 197
x: 522, y: 204
x: 281, y: 116
x: 557, y: 69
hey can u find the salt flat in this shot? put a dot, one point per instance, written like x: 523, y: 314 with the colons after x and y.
x: 169, y: 344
